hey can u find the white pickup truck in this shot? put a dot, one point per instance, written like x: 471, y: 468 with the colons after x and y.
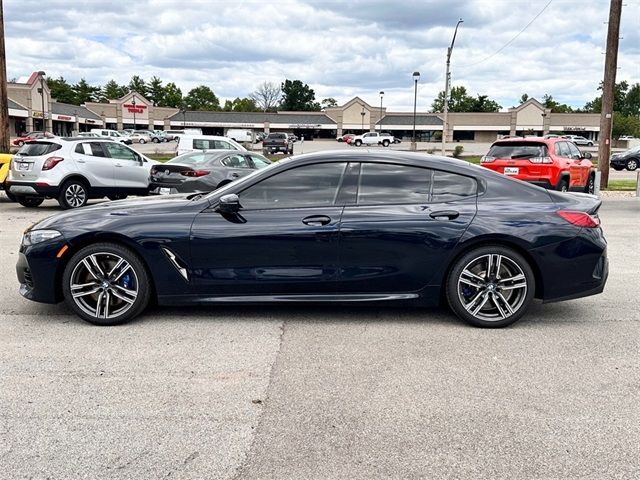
x: 373, y: 138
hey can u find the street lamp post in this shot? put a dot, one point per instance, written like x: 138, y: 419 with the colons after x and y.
x: 362, y: 114
x: 447, y: 77
x: 380, y: 119
x: 416, y: 77
x: 44, y: 123
x: 133, y: 102
x: 183, y: 111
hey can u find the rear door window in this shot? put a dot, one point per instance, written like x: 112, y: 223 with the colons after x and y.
x: 563, y: 149
x: 383, y: 184
x: 38, y: 148
x: 120, y: 152
x: 449, y: 187
x: 574, y: 152
x: 236, y: 161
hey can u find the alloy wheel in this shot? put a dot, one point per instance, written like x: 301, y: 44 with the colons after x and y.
x: 632, y: 165
x: 75, y: 195
x: 104, y: 285
x: 492, y: 287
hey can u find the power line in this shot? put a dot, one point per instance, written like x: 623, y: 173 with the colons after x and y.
x: 510, y: 41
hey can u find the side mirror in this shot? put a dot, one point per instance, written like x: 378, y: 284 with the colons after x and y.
x: 587, y: 156
x: 229, y: 204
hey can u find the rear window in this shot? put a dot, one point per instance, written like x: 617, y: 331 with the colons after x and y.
x: 515, y: 150
x: 38, y: 148
x: 197, y: 158
x: 277, y: 135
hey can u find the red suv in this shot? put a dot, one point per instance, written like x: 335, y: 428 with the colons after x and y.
x: 554, y: 163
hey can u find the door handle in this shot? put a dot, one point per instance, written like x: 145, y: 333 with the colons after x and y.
x: 81, y: 161
x: 316, y: 220
x: 235, y: 175
x: 118, y: 165
x: 445, y: 215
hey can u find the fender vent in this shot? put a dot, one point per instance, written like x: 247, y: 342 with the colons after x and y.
x: 176, y: 263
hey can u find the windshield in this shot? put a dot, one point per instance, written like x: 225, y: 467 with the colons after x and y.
x: 515, y: 150
x: 35, y: 149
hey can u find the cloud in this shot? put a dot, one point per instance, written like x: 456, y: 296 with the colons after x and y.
x: 340, y: 49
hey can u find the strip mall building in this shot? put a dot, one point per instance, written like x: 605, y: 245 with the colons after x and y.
x: 30, y: 104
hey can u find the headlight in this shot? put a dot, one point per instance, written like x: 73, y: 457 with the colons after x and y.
x: 36, y: 236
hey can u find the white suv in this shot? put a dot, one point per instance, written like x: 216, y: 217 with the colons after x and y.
x: 73, y: 170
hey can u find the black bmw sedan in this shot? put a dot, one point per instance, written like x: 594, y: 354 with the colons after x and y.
x: 358, y: 227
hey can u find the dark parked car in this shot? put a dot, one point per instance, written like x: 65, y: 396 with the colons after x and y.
x: 629, y: 159
x: 203, y: 170
x: 277, y: 142
x: 332, y: 227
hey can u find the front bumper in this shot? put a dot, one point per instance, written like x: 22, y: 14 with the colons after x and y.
x: 39, y: 271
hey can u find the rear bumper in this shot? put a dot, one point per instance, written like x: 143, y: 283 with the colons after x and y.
x: 32, y: 189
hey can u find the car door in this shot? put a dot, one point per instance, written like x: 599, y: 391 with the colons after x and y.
x: 94, y: 163
x: 237, y: 166
x: 283, y: 240
x: 398, y: 235
x: 580, y: 167
x: 131, y: 172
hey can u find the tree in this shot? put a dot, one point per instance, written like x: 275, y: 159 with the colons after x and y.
x: 172, y: 96
x: 202, y: 98
x: 625, y: 125
x: 632, y: 101
x: 112, y: 90
x: 83, y: 92
x: 137, y: 84
x: 240, y: 105
x: 619, y: 99
x: 461, y: 101
x: 523, y: 98
x: 267, y: 96
x: 155, y: 91
x: 61, y: 90
x: 550, y: 103
x: 298, y: 96
x: 328, y: 103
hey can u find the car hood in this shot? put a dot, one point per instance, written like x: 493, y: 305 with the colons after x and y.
x: 87, y: 218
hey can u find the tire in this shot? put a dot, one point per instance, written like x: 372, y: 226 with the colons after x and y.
x: 142, y: 140
x: 156, y: 140
x: 563, y: 185
x: 632, y: 164
x: 73, y: 194
x: 113, y: 198
x: 385, y: 143
x: 358, y: 143
x: 490, y: 301
x: 30, y: 202
x: 9, y: 195
x: 590, y: 187
x: 127, y: 289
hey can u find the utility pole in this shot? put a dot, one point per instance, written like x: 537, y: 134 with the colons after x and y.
x: 4, y: 102
x: 447, y: 78
x: 608, y: 91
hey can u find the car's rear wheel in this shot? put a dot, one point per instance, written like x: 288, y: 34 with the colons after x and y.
x: 156, y: 140
x: 106, y: 284
x: 73, y: 194
x: 385, y: 143
x: 563, y: 185
x: 30, y: 202
x: 358, y: 143
x: 490, y: 286
x: 590, y: 187
x: 632, y: 164
x: 142, y: 140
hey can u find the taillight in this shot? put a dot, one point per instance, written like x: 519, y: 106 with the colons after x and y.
x: 286, y: 142
x: 51, y: 162
x: 540, y: 160
x: 487, y: 159
x: 580, y: 219
x: 195, y: 173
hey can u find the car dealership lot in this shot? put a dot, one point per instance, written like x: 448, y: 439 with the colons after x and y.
x: 331, y: 392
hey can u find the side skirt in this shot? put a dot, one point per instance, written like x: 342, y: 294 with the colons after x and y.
x: 305, y: 298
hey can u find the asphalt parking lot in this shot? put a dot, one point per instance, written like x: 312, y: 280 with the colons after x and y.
x: 323, y: 393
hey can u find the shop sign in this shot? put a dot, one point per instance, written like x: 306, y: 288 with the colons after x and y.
x: 134, y: 108
x: 574, y: 129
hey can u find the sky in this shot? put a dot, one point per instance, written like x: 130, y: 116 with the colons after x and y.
x: 341, y: 49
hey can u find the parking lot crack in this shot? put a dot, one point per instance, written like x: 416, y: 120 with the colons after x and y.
x: 263, y: 404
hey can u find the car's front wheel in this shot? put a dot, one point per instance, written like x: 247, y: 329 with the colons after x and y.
x: 73, y: 194
x: 632, y: 164
x: 142, y: 140
x: 490, y: 286
x: 106, y: 284
x: 590, y: 187
x: 385, y: 143
x: 358, y: 143
x: 156, y: 140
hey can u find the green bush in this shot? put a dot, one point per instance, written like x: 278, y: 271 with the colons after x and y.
x: 457, y: 151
